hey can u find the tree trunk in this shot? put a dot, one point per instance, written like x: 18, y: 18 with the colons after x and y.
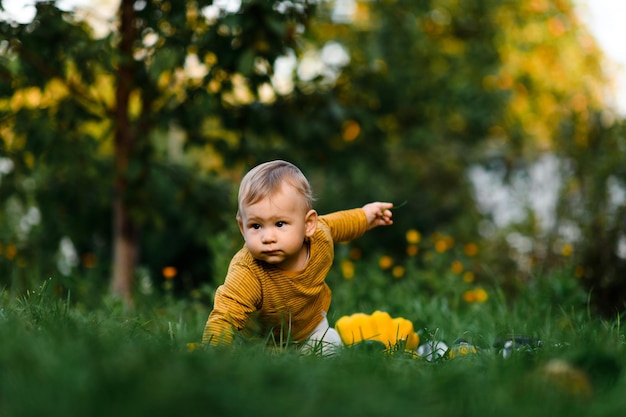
x: 125, y: 237
x: 124, y: 252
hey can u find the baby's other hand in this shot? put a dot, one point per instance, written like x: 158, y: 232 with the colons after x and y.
x: 378, y: 214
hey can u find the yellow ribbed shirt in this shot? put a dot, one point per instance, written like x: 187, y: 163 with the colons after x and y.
x: 289, y: 303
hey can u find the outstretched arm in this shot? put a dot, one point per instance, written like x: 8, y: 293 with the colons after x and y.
x: 378, y: 214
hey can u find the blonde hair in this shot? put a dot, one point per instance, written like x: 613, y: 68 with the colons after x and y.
x: 267, y: 178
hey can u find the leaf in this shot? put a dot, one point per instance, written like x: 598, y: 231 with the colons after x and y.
x: 245, y: 65
x: 397, y: 206
x: 277, y: 26
x: 165, y: 59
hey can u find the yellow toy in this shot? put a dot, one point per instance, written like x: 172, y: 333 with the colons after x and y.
x: 461, y: 348
x: 378, y: 326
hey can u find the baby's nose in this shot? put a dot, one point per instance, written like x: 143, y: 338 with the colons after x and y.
x: 269, y: 237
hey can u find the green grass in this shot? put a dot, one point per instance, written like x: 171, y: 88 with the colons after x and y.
x: 58, y: 358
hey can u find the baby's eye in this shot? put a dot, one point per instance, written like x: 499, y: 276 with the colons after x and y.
x: 255, y: 226
x: 280, y: 224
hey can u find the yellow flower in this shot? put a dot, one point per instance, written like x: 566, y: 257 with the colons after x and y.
x: 192, y: 346
x: 443, y: 243
x: 567, y: 250
x: 440, y: 246
x: 10, y: 251
x: 481, y: 295
x: 468, y: 276
x: 385, y: 262
x: 477, y: 295
x: 169, y: 272
x: 579, y: 271
x: 397, y: 271
x: 457, y: 267
x: 355, y: 253
x: 347, y: 269
x: 350, y: 130
x: 413, y: 236
x: 471, y: 249
x: 412, y: 250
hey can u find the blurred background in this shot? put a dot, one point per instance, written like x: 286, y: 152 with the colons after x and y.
x: 126, y: 126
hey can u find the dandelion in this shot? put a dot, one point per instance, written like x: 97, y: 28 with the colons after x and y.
x: 477, y: 295
x: 347, y: 269
x: 457, y: 267
x: 169, y: 272
x: 481, y: 295
x: 471, y: 249
x: 412, y: 250
x: 413, y: 236
x: 468, y: 277
x: 567, y: 250
x: 440, y: 246
x: 579, y: 271
x: 10, y: 251
x: 397, y: 271
x: 192, y: 346
x: 444, y: 243
x: 350, y: 130
x: 385, y: 262
x: 355, y: 253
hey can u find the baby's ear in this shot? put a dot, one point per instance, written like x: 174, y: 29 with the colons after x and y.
x: 240, y: 223
x: 310, y: 223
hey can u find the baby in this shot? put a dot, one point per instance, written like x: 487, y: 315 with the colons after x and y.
x: 279, y: 274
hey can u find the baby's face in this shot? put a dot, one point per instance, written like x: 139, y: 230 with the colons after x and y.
x: 275, y: 229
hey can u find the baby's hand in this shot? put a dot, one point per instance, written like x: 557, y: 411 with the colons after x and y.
x: 378, y: 214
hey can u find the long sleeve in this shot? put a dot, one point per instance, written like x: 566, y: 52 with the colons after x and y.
x: 235, y: 300
x: 290, y: 304
x: 346, y: 224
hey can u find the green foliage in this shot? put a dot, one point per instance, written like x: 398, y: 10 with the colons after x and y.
x: 427, y: 92
x: 597, y: 180
x: 76, y: 150
x: 108, y: 360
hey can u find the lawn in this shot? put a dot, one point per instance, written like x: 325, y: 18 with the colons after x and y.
x: 60, y: 358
